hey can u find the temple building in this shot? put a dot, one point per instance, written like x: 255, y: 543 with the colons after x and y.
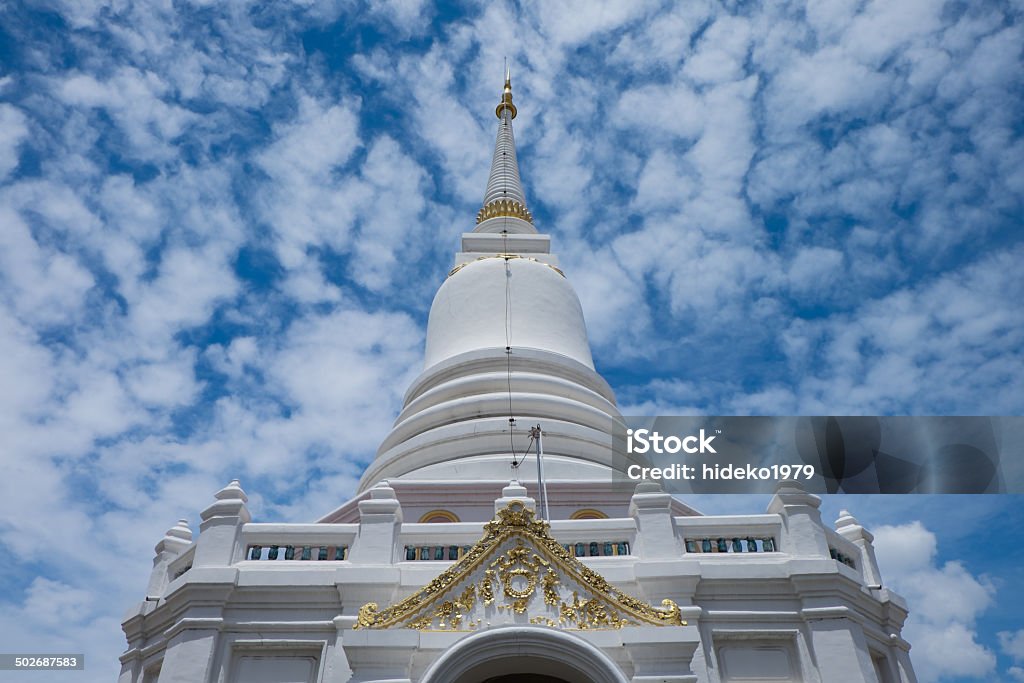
x: 450, y: 565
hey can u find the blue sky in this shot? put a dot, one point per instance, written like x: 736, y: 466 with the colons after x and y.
x: 221, y: 226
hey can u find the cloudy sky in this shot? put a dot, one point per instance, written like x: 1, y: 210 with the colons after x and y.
x: 222, y: 223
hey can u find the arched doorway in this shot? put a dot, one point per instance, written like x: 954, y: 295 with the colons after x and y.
x: 523, y: 654
x: 525, y: 678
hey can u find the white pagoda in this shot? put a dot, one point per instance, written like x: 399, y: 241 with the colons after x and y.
x: 449, y: 566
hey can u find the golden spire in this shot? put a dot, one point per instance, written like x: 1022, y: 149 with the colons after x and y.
x: 504, y: 195
x: 506, y: 97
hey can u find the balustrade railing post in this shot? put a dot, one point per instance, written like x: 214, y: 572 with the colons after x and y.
x: 220, y: 541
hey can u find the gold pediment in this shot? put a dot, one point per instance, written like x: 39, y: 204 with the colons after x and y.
x: 517, y: 568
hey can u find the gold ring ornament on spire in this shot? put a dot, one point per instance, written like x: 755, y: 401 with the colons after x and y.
x: 506, y: 97
x: 517, y: 568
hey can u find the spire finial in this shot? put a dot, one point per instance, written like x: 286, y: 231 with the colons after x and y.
x: 504, y: 197
x: 506, y: 96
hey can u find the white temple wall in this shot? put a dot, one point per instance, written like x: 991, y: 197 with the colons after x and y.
x: 288, y: 614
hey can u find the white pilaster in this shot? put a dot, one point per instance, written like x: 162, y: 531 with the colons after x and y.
x: 190, y: 654
x: 803, y: 534
x: 220, y: 533
x: 380, y: 526
x: 901, y: 650
x: 131, y: 670
x: 839, y: 646
x: 661, y: 654
x: 849, y: 528
x: 380, y: 656
x: 656, y: 537
x: 514, y: 492
x: 174, y: 542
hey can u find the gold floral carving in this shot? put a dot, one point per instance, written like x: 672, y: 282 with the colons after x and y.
x: 504, y: 207
x: 533, y: 564
x: 487, y: 587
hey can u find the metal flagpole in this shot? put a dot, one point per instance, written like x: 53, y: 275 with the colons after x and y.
x: 541, y: 484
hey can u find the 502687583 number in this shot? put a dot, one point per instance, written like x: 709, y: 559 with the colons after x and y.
x: 22, y: 662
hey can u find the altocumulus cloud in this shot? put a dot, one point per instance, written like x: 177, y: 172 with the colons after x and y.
x: 222, y: 225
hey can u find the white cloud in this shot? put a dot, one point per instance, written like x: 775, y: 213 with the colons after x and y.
x: 13, y: 131
x: 814, y: 269
x: 27, y: 372
x: 945, y: 651
x: 424, y: 84
x: 333, y: 368
x: 1012, y: 644
x: 665, y: 182
x: 664, y: 42
x: 945, y: 602
x: 388, y: 215
x: 165, y: 384
x: 673, y: 108
x: 666, y: 397
x: 407, y: 15
x: 963, y: 327
x: 309, y: 200
x: 188, y: 285
x: 722, y: 52
x: 617, y: 315
x: 136, y: 100
x: 826, y: 82
x: 571, y: 23
x: 884, y: 27
x: 319, y: 141
x: 52, y: 601
x: 43, y: 284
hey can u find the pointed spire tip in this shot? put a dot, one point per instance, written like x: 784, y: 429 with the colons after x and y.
x: 506, y: 96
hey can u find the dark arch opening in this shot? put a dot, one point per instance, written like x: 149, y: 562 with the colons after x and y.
x: 523, y: 668
x: 532, y: 654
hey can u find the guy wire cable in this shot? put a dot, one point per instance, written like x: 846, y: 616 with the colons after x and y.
x: 508, y: 346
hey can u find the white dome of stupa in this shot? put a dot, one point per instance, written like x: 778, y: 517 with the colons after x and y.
x: 541, y: 311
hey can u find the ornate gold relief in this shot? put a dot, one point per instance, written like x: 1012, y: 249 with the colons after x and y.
x: 519, y: 561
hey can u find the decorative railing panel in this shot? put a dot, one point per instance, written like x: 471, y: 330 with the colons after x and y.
x: 842, y: 557
x: 581, y: 549
x: 284, y: 552
x: 735, y: 544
